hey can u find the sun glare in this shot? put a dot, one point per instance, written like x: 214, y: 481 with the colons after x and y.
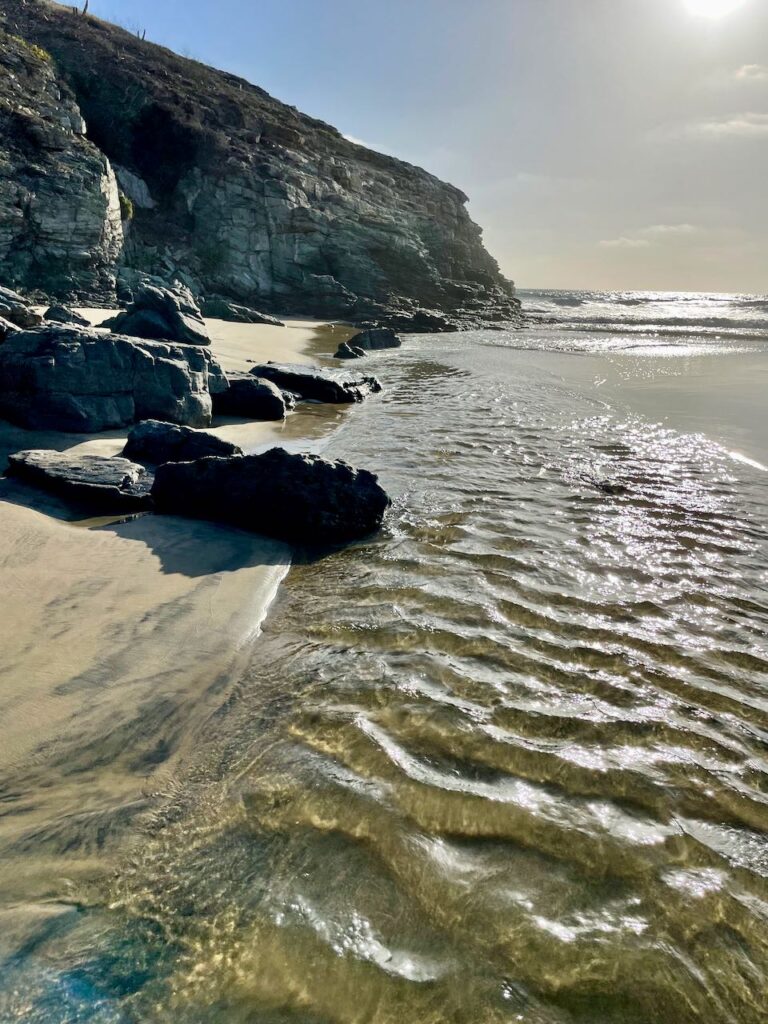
x: 712, y: 8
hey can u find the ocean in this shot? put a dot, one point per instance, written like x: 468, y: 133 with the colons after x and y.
x: 507, y: 760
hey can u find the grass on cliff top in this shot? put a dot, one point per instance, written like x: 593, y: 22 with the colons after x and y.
x: 34, y: 49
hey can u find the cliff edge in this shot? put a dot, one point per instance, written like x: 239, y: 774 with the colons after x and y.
x: 222, y: 186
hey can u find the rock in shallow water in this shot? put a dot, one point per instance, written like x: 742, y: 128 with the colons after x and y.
x: 347, y: 351
x: 375, y: 338
x: 336, y: 386
x: 156, y: 442
x: 252, y: 398
x: 69, y: 378
x: 110, y: 485
x: 300, y: 498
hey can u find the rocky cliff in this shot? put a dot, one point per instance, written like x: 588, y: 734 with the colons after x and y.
x: 230, y: 190
x: 60, y: 228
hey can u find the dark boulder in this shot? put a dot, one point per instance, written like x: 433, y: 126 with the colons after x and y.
x: 162, y: 313
x: 108, y: 484
x: 6, y: 329
x: 64, y: 315
x: 223, y: 309
x: 252, y: 398
x: 155, y: 442
x: 375, y: 338
x: 310, y: 382
x: 17, y: 310
x: 69, y: 378
x: 348, y: 351
x: 300, y: 498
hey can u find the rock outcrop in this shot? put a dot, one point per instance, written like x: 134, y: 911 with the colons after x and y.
x: 111, y: 485
x: 60, y: 223
x: 155, y: 442
x: 252, y: 398
x: 232, y: 191
x: 169, y: 314
x: 59, y: 314
x: 69, y: 378
x: 298, y: 498
x: 318, y: 385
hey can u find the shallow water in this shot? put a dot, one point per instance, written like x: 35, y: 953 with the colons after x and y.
x: 504, y: 762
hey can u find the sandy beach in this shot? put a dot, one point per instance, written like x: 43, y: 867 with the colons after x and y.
x: 125, y: 627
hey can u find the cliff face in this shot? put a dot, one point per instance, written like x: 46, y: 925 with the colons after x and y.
x: 60, y: 228
x: 239, y: 194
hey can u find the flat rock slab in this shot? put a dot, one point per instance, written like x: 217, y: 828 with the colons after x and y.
x: 155, y: 442
x: 309, y: 382
x: 107, y: 484
x: 252, y: 398
x: 303, y: 499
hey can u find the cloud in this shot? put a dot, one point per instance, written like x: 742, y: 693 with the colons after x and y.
x: 660, y: 231
x: 753, y: 73
x: 735, y: 126
x: 748, y: 126
x: 625, y: 243
x: 654, y: 234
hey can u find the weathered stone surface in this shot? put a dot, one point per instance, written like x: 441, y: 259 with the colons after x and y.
x: 69, y: 378
x: 348, y: 351
x: 18, y: 310
x: 223, y: 309
x: 252, y: 398
x: 134, y: 187
x: 162, y: 314
x: 257, y: 201
x: 156, y: 442
x: 109, y: 484
x: 375, y: 338
x: 60, y: 227
x: 64, y: 315
x: 336, y: 386
x: 299, y: 498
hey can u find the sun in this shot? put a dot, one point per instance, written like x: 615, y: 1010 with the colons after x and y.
x: 713, y: 8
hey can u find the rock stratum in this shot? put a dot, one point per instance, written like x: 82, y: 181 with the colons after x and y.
x: 223, y: 187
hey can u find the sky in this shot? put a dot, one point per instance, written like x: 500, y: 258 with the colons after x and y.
x: 613, y: 144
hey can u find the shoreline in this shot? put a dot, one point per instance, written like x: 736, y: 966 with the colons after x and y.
x: 125, y: 628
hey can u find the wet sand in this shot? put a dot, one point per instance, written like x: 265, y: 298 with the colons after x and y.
x: 117, y: 635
